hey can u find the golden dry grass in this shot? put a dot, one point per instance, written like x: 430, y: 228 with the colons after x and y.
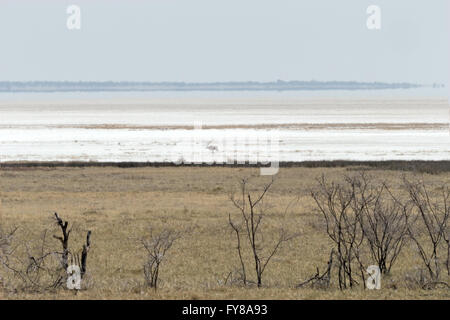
x: 119, y: 205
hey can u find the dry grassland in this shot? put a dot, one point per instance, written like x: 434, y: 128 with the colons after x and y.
x: 120, y: 204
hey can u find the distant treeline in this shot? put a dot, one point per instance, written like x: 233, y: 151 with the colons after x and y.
x: 67, y: 86
x: 421, y: 166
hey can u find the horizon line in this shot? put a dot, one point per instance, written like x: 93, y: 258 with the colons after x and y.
x: 146, y: 86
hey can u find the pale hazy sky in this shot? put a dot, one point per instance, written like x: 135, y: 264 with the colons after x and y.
x: 224, y: 40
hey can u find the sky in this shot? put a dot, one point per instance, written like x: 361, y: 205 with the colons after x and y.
x: 224, y: 40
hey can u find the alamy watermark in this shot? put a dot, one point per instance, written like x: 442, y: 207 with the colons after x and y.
x: 74, y: 17
x: 374, y: 19
x: 74, y: 277
x: 256, y: 147
x: 374, y: 280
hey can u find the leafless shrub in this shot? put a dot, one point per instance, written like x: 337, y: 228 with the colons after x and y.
x: 419, y: 278
x: 429, y: 227
x: 5, y: 242
x: 251, y: 215
x: 156, y: 246
x: 74, y: 256
x: 447, y: 241
x: 342, y: 211
x: 416, y: 278
x: 231, y: 278
x: 384, y: 223
x: 320, y: 281
x: 357, y: 212
x: 39, y: 267
x: 64, y: 240
x: 5, y: 253
x: 35, y: 269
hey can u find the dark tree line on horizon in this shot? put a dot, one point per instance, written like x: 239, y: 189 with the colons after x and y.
x: 67, y: 86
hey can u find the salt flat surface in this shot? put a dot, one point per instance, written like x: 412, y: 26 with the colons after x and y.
x: 234, y: 129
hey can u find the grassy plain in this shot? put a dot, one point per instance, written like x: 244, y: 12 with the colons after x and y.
x: 120, y: 204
